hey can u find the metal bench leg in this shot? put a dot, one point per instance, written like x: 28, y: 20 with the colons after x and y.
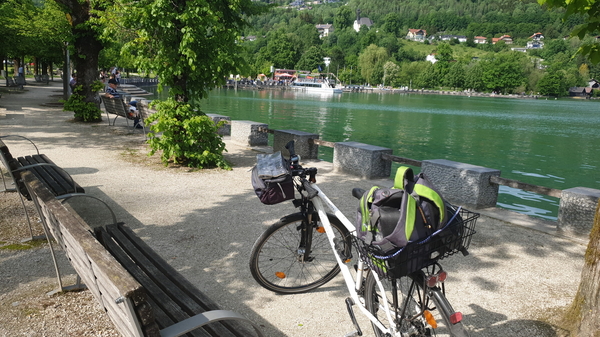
x: 31, y: 237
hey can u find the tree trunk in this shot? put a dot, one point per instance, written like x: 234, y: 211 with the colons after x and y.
x: 584, y: 312
x: 87, y: 47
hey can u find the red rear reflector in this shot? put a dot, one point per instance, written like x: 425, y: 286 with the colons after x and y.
x: 442, y: 276
x: 456, y: 317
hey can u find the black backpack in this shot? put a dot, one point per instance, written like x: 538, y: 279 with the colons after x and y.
x: 389, y: 219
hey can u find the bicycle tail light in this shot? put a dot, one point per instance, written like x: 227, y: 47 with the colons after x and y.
x: 442, y: 275
x: 280, y: 274
x: 430, y: 319
x: 433, y: 280
x: 456, y: 318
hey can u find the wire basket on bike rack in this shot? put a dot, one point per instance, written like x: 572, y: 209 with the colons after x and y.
x: 453, y: 238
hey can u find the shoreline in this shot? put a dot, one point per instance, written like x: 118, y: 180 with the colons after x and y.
x: 365, y: 89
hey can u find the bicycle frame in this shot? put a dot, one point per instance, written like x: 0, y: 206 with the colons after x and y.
x: 353, y: 285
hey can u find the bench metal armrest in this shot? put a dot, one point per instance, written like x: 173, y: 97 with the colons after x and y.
x: 66, y: 197
x: 17, y: 136
x: 202, y: 319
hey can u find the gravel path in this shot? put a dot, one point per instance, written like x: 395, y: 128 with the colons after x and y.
x: 519, y: 274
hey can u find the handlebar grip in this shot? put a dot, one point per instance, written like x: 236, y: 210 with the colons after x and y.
x: 309, y: 189
x: 357, y: 192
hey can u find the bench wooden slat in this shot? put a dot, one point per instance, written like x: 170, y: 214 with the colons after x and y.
x: 183, y: 284
x: 41, y: 175
x: 140, y: 301
x: 54, y: 176
x: 60, y: 176
x: 166, y: 310
x: 103, y: 275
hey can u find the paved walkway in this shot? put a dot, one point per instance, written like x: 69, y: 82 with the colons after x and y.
x: 205, y: 223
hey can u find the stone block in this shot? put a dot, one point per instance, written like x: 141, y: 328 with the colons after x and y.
x: 224, y: 130
x: 462, y: 184
x: 577, y: 210
x: 302, y: 146
x: 361, y: 160
x: 249, y: 133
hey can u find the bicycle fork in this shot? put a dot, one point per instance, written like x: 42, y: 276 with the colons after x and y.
x: 305, y: 247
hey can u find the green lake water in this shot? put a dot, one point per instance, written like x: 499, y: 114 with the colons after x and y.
x: 551, y: 143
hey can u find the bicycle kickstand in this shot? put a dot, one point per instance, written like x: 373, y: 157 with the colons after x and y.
x: 349, y: 304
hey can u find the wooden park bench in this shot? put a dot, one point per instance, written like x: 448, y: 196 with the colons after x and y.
x: 144, y: 112
x: 12, y: 84
x: 141, y: 293
x: 42, y: 78
x: 58, y: 181
x: 20, y: 81
x: 115, y: 106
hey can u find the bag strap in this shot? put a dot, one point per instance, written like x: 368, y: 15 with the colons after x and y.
x: 419, y: 187
x: 431, y: 194
x: 404, y: 175
x: 365, y: 200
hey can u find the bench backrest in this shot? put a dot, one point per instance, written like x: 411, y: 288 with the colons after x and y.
x: 123, y: 298
x: 10, y: 82
x: 11, y: 165
x: 144, y: 110
x: 115, y: 106
x: 59, y: 181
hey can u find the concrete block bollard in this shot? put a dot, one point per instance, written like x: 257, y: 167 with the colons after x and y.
x: 462, y: 184
x: 361, y: 160
x: 577, y: 210
x: 302, y: 146
x: 247, y: 132
x: 224, y: 130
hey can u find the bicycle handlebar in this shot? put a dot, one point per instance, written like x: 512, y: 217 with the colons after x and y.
x: 357, y: 192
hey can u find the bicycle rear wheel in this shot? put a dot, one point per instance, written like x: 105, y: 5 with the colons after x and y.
x: 408, y: 315
x: 277, y: 262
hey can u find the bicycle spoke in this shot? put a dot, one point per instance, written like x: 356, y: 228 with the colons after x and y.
x: 277, y: 264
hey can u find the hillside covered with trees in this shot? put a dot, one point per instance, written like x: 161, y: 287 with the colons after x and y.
x: 287, y: 37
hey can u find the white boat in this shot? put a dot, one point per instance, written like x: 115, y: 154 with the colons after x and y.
x: 317, y: 85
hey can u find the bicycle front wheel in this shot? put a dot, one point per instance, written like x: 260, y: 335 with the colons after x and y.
x: 278, y: 261
x: 413, y: 305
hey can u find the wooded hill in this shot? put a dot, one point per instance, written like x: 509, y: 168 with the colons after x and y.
x: 286, y: 37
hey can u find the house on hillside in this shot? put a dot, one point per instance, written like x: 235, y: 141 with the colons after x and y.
x: 480, y: 39
x: 324, y: 30
x: 418, y: 35
x: 536, y: 44
x: 537, y: 36
x: 536, y: 41
x: 580, y: 92
x: 593, y: 84
x: 361, y: 21
x: 506, y: 38
x: 460, y: 38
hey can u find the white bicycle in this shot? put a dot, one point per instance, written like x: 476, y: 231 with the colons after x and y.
x: 402, y: 294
